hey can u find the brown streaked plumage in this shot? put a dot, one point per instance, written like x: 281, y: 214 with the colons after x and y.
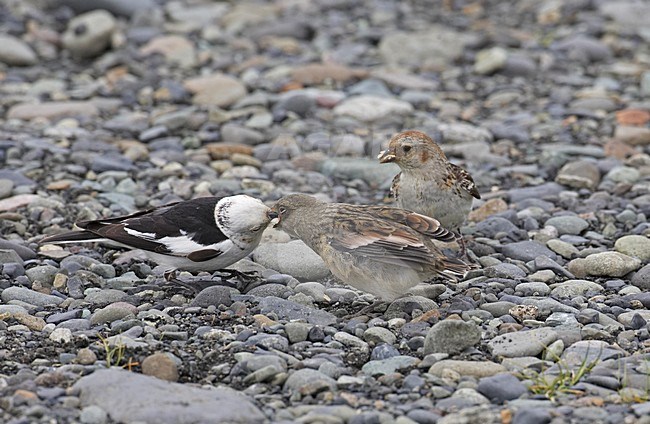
x: 429, y: 184
x: 378, y: 249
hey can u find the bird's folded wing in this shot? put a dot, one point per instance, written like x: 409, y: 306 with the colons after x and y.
x: 394, y: 187
x: 204, y: 255
x: 465, y: 180
x: 177, y: 229
x: 381, y: 241
x: 124, y: 235
x: 423, y: 224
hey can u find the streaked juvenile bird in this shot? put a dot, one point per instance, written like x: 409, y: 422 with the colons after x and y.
x: 203, y: 234
x: 377, y: 249
x: 428, y: 183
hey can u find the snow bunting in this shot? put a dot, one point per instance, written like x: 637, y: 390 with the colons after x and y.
x: 377, y: 249
x: 429, y: 184
x: 204, y: 234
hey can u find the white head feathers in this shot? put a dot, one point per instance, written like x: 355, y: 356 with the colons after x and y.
x: 241, y: 218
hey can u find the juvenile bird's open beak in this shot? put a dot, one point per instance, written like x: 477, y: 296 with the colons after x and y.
x: 386, y: 156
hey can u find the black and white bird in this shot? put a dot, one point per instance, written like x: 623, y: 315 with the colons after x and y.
x: 203, y: 234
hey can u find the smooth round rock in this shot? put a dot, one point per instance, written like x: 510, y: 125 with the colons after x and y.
x: 451, y: 336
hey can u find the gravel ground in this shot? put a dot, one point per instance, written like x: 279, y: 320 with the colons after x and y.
x: 148, y: 102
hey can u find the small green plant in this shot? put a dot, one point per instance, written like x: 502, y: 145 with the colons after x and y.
x: 551, y: 385
x: 115, y: 355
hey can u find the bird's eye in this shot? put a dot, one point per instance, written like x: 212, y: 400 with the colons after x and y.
x: 406, y: 149
x: 282, y: 210
x: 256, y: 229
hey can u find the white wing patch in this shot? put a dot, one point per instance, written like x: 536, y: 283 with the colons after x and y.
x: 135, y: 233
x: 184, y: 245
x: 180, y: 245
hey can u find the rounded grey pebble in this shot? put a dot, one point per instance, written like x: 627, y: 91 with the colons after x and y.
x: 215, y: 295
x: 93, y: 415
x: 451, y: 336
x: 277, y: 290
x: 383, y: 351
x: 501, y: 387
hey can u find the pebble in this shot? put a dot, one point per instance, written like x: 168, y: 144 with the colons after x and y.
x: 176, y: 49
x: 634, y: 246
x: 93, y: 415
x: 308, y: 381
x: 641, y: 278
x: 297, y: 331
x: 370, y: 108
x: 500, y: 388
x: 61, y: 335
x: 160, y: 365
x: 579, y: 174
x: 467, y: 368
x: 52, y: 111
x: 113, y: 312
x: 389, y: 365
x: 573, y: 288
x: 29, y: 296
x: 293, y: 258
x: 312, y: 289
x: 89, y: 34
x: 215, y: 90
x: 135, y: 397
x: 15, y: 52
x: 568, y: 224
x: 451, y: 336
x: 408, y: 304
x: 522, y: 343
x: 532, y: 416
x: 527, y: 251
x: 490, y: 60
x: 212, y: 296
x: 408, y: 48
x: 286, y: 309
x: 610, y: 264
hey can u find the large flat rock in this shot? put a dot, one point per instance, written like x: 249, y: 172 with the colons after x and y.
x: 129, y: 397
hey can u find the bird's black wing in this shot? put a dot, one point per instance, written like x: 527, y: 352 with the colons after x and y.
x: 192, y: 219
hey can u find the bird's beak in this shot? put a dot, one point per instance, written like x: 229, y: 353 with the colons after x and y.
x: 386, y: 156
x: 273, y: 216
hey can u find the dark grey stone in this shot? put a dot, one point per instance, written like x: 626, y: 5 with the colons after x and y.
x: 501, y: 387
x: 24, y: 252
x: 285, y: 309
x: 527, y: 251
x: 540, y: 192
x: 532, y: 416
x: 641, y: 278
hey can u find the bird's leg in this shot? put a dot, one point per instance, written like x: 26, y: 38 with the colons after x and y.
x: 246, y: 281
x: 172, y: 280
x: 368, y: 309
x: 170, y: 275
x: 461, y: 245
x: 241, y: 275
x: 194, y: 286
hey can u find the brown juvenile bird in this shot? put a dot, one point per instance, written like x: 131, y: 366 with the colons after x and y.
x: 429, y: 184
x: 377, y: 249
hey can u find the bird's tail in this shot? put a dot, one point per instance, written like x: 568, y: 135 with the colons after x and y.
x: 71, y: 237
x: 454, y: 268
